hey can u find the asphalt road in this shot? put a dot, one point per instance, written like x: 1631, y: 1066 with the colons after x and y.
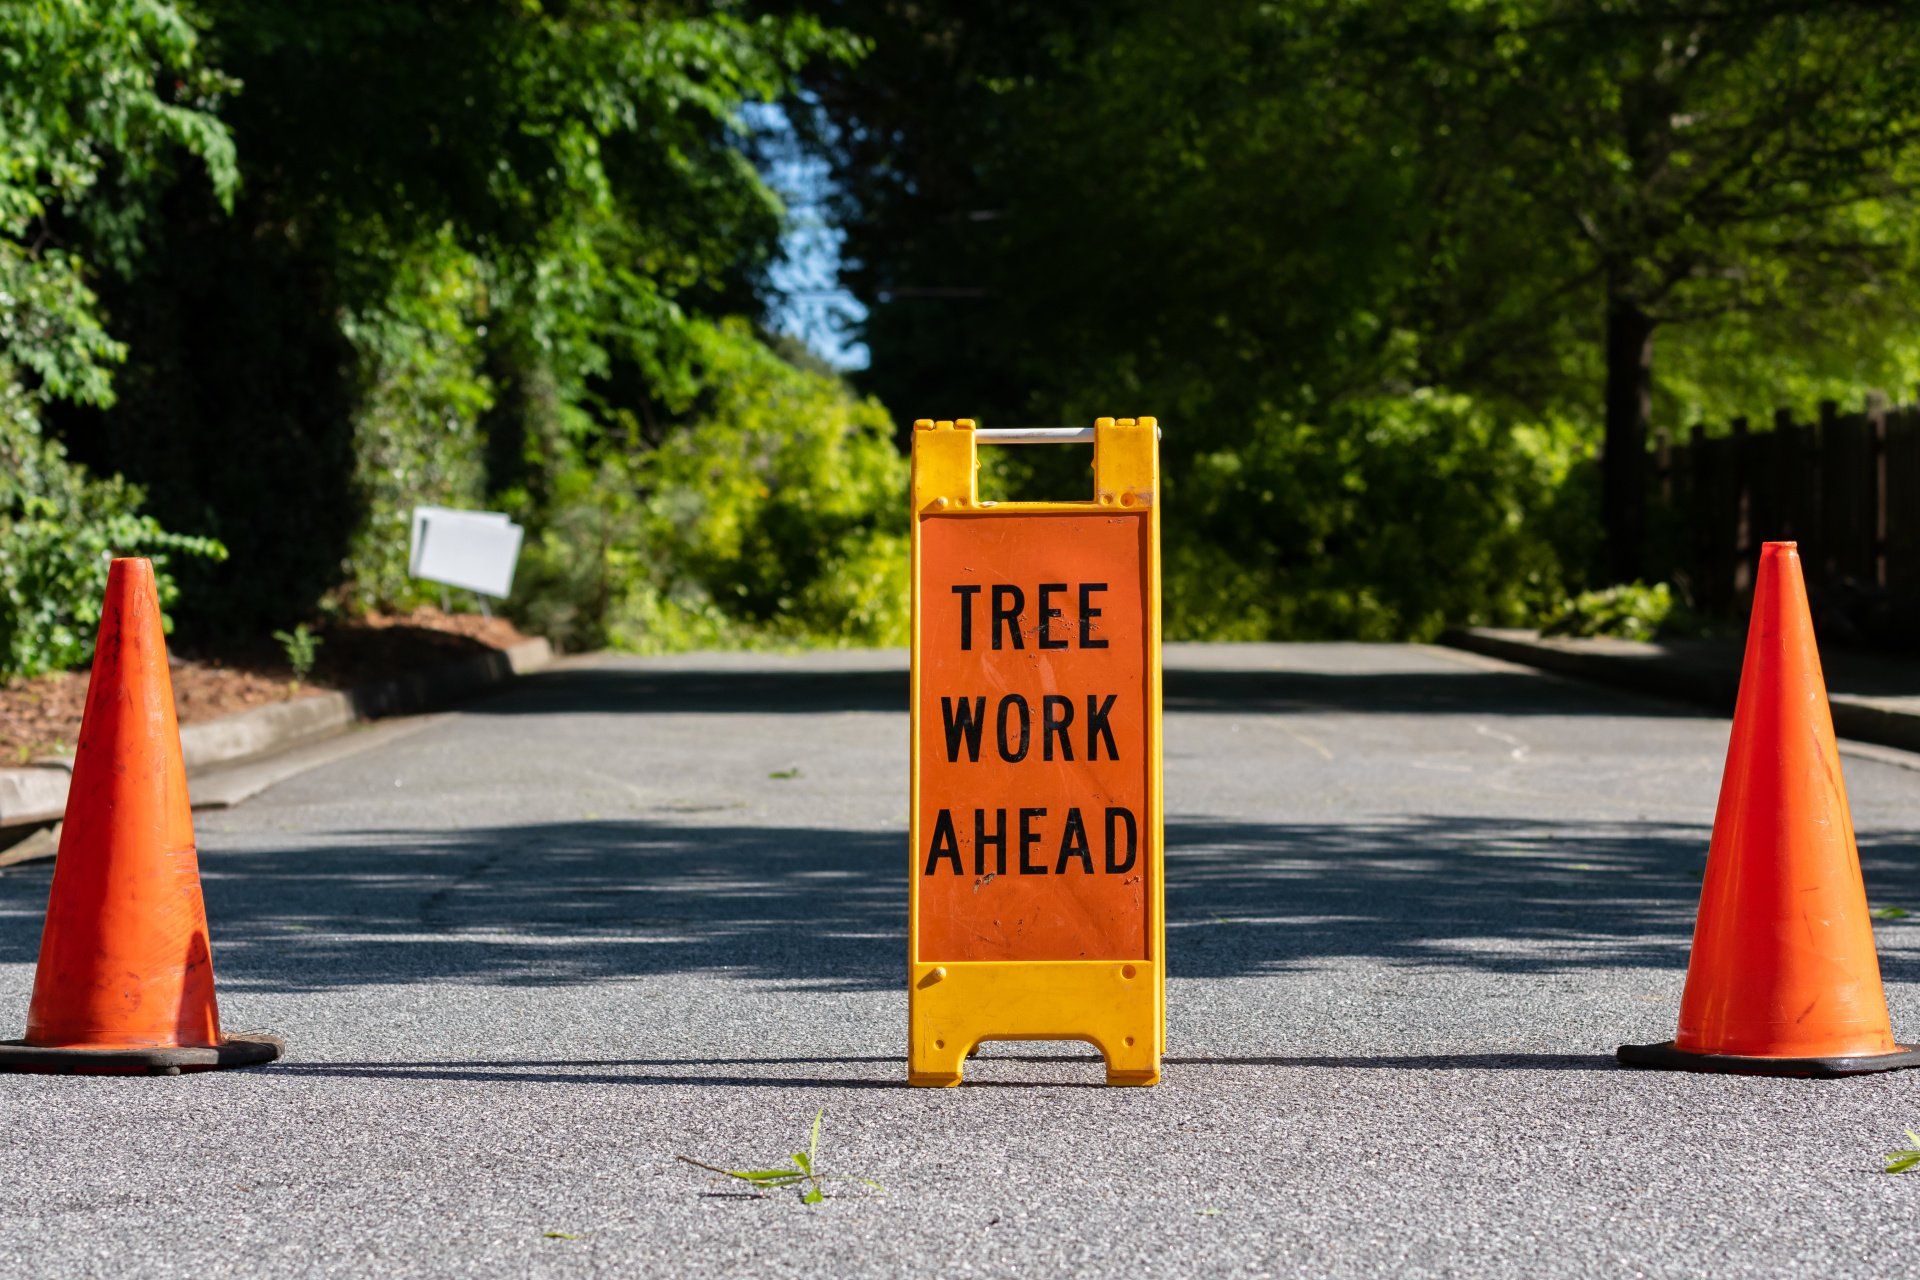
x: 632, y: 909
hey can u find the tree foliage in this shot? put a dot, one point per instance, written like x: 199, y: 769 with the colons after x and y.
x: 773, y: 517
x: 99, y: 104
x: 1392, y: 275
x: 455, y: 252
x: 440, y: 252
x: 1745, y: 168
x: 1247, y: 217
x: 779, y: 508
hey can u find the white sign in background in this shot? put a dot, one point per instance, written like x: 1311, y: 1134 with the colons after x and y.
x: 474, y: 550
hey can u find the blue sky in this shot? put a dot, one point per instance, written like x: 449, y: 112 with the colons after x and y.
x: 812, y: 304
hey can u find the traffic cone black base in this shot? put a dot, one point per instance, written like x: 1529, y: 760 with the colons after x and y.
x: 160, y: 1060
x: 1665, y: 1057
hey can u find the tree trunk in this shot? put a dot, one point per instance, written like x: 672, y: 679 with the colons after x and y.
x: 1623, y: 459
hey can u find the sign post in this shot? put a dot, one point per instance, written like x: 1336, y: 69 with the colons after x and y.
x: 1036, y: 910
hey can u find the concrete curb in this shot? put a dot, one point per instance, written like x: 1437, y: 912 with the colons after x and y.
x: 32, y: 794
x: 37, y: 793
x: 1692, y: 674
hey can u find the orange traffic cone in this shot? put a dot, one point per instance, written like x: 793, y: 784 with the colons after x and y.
x: 125, y: 983
x: 1784, y: 979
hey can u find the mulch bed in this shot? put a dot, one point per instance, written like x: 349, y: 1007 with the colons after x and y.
x: 41, y: 716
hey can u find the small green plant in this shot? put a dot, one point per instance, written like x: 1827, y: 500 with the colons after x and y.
x: 1630, y: 611
x: 301, y: 647
x: 803, y: 1174
x: 1890, y: 913
x: 781, y: 775
x: 1905, y: 1159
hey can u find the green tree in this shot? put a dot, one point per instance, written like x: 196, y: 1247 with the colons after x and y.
x: 86, y: 133
x: 1648, y: 164
x: 1194, y: 210
x: 1240, y: 215
x: 468, y: 248
x: 99, y: 104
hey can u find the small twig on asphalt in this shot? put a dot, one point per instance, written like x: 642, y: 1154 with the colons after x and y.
x: 803, y: 1172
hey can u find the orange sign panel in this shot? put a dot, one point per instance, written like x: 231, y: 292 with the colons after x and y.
x: 1033, y: 812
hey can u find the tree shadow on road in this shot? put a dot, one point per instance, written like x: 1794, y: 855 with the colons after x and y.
x: 882, y: 687
x: 1501, y: 895
x: 1465, y: 691
x: 647, y: 690
x: 824, y: 909
x: 1492, y: 895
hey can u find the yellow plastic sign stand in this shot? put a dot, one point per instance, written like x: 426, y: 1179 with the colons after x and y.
x: 1036, y: 911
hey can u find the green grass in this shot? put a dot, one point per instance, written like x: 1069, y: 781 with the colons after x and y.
x: 802, y: 1173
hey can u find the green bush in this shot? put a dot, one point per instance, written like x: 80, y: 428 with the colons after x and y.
x: 420, y: 395
x: 781, y: 505
x: 582, y: 561
x: 1379, y: 519
x: 775, y: 515
x: 59, y: 529
x: 1630, y: 611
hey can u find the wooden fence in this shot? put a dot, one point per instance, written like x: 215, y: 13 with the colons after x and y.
x: 1846, y: 487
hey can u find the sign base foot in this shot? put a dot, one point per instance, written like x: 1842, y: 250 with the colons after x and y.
x: 1117, y: 1007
